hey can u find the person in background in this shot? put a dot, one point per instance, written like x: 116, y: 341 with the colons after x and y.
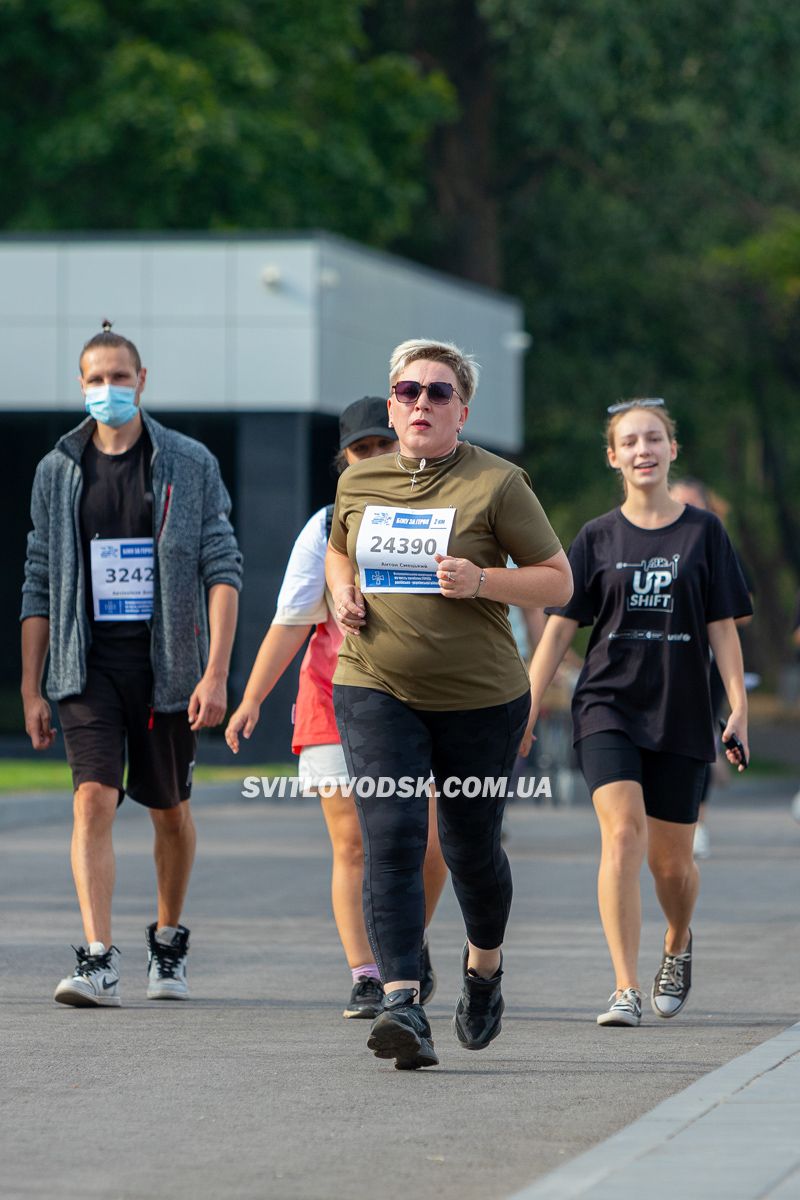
x: 689, y: 490
x: 527, y: 625
x: 795, y: 807
x: 131, y: 585
x: 303, y: 606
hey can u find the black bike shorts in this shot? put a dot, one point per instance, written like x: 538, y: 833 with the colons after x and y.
x: 672, y: 784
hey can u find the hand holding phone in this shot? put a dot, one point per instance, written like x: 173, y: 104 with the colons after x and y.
x: 733, y: 743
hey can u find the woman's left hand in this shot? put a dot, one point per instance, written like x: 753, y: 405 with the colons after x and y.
x: 458, y: 577
x: 736, y: 725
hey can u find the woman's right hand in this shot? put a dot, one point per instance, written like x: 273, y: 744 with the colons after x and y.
x: 528, y: 737
x: 243, y: 721
x: 349, y: 609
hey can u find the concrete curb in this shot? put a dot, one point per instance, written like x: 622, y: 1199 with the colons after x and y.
x: 734, y: 1132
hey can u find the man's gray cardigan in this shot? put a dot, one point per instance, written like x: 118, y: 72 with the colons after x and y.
x: 195, y: 548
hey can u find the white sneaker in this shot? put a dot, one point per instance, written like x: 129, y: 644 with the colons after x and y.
x: 95, y: 981
x: 702, y: 842
x: 626, y: 1008
x: 795, y: 809
x: 166, y: 964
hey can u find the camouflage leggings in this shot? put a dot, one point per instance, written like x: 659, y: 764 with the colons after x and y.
x: 384, y: 739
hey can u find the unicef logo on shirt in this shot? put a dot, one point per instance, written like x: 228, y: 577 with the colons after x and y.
x: 651, y: 584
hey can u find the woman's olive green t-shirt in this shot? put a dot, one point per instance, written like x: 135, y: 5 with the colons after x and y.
x: 428, y: 651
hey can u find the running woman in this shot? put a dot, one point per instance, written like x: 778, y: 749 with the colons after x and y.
x: 430, y: 681
x: 302, y: 606
x: 659, y: 582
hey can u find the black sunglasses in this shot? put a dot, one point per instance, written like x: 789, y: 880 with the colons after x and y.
x: 408, y: 391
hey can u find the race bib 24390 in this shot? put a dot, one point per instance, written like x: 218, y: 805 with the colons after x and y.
x: 396, y: 548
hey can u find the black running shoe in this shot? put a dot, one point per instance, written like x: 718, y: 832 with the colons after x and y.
x: 366, y: 998
x: 673, y: 983
x: 402, y: 1032
x: 480, y: 1007
x: 427, y: 975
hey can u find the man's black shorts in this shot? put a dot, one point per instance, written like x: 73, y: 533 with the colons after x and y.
x: 672, y: 784
x: 114, y: 709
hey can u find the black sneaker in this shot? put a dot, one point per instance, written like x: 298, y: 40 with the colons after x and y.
x: 673, y: 983
x: 402, y: 1032
x: 427, y: 975
x: 166, y: 965
x: 480, y: 1007
x: 366, y: 998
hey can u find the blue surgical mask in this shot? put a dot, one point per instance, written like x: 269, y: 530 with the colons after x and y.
x: 110, y: 405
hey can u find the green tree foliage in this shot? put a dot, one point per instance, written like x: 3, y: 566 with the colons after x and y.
x: 633, y: 169
x: 629, y: 170
x: 176, y: 114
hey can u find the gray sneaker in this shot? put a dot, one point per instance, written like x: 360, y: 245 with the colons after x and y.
x: 626, y: 1008
x: 166, y: 965
x: 673, y: 983
x: 95, y: 981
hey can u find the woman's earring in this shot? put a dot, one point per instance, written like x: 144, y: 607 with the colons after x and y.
x: 389, y: 423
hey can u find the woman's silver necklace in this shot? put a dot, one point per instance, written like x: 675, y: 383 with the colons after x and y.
x: 423, y: 462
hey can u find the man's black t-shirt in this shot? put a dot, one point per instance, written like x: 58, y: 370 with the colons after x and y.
x: 117, y: 502
x: 650, y: 594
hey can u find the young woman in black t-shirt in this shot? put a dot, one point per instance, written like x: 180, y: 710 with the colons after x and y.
x: 659, y: 583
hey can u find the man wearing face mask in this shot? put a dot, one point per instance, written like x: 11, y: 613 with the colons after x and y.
x: 131, y: 584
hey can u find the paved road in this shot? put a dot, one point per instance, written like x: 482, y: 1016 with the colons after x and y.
x: 259, y: 1089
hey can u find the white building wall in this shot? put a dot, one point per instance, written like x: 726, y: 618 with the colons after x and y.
x: 245, y: 324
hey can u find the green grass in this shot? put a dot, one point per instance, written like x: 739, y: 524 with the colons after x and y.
x: 47, y: 775
x: 28, y: 775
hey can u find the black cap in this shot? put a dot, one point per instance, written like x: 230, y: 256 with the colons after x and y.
x: 367, y: 417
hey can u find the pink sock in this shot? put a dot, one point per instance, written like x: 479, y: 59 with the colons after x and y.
x: 368, y: 969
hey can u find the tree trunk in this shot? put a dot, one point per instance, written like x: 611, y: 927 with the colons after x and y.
x: 454, y: 37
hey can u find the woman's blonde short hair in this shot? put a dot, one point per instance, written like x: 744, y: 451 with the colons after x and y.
x: 464, y: 367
